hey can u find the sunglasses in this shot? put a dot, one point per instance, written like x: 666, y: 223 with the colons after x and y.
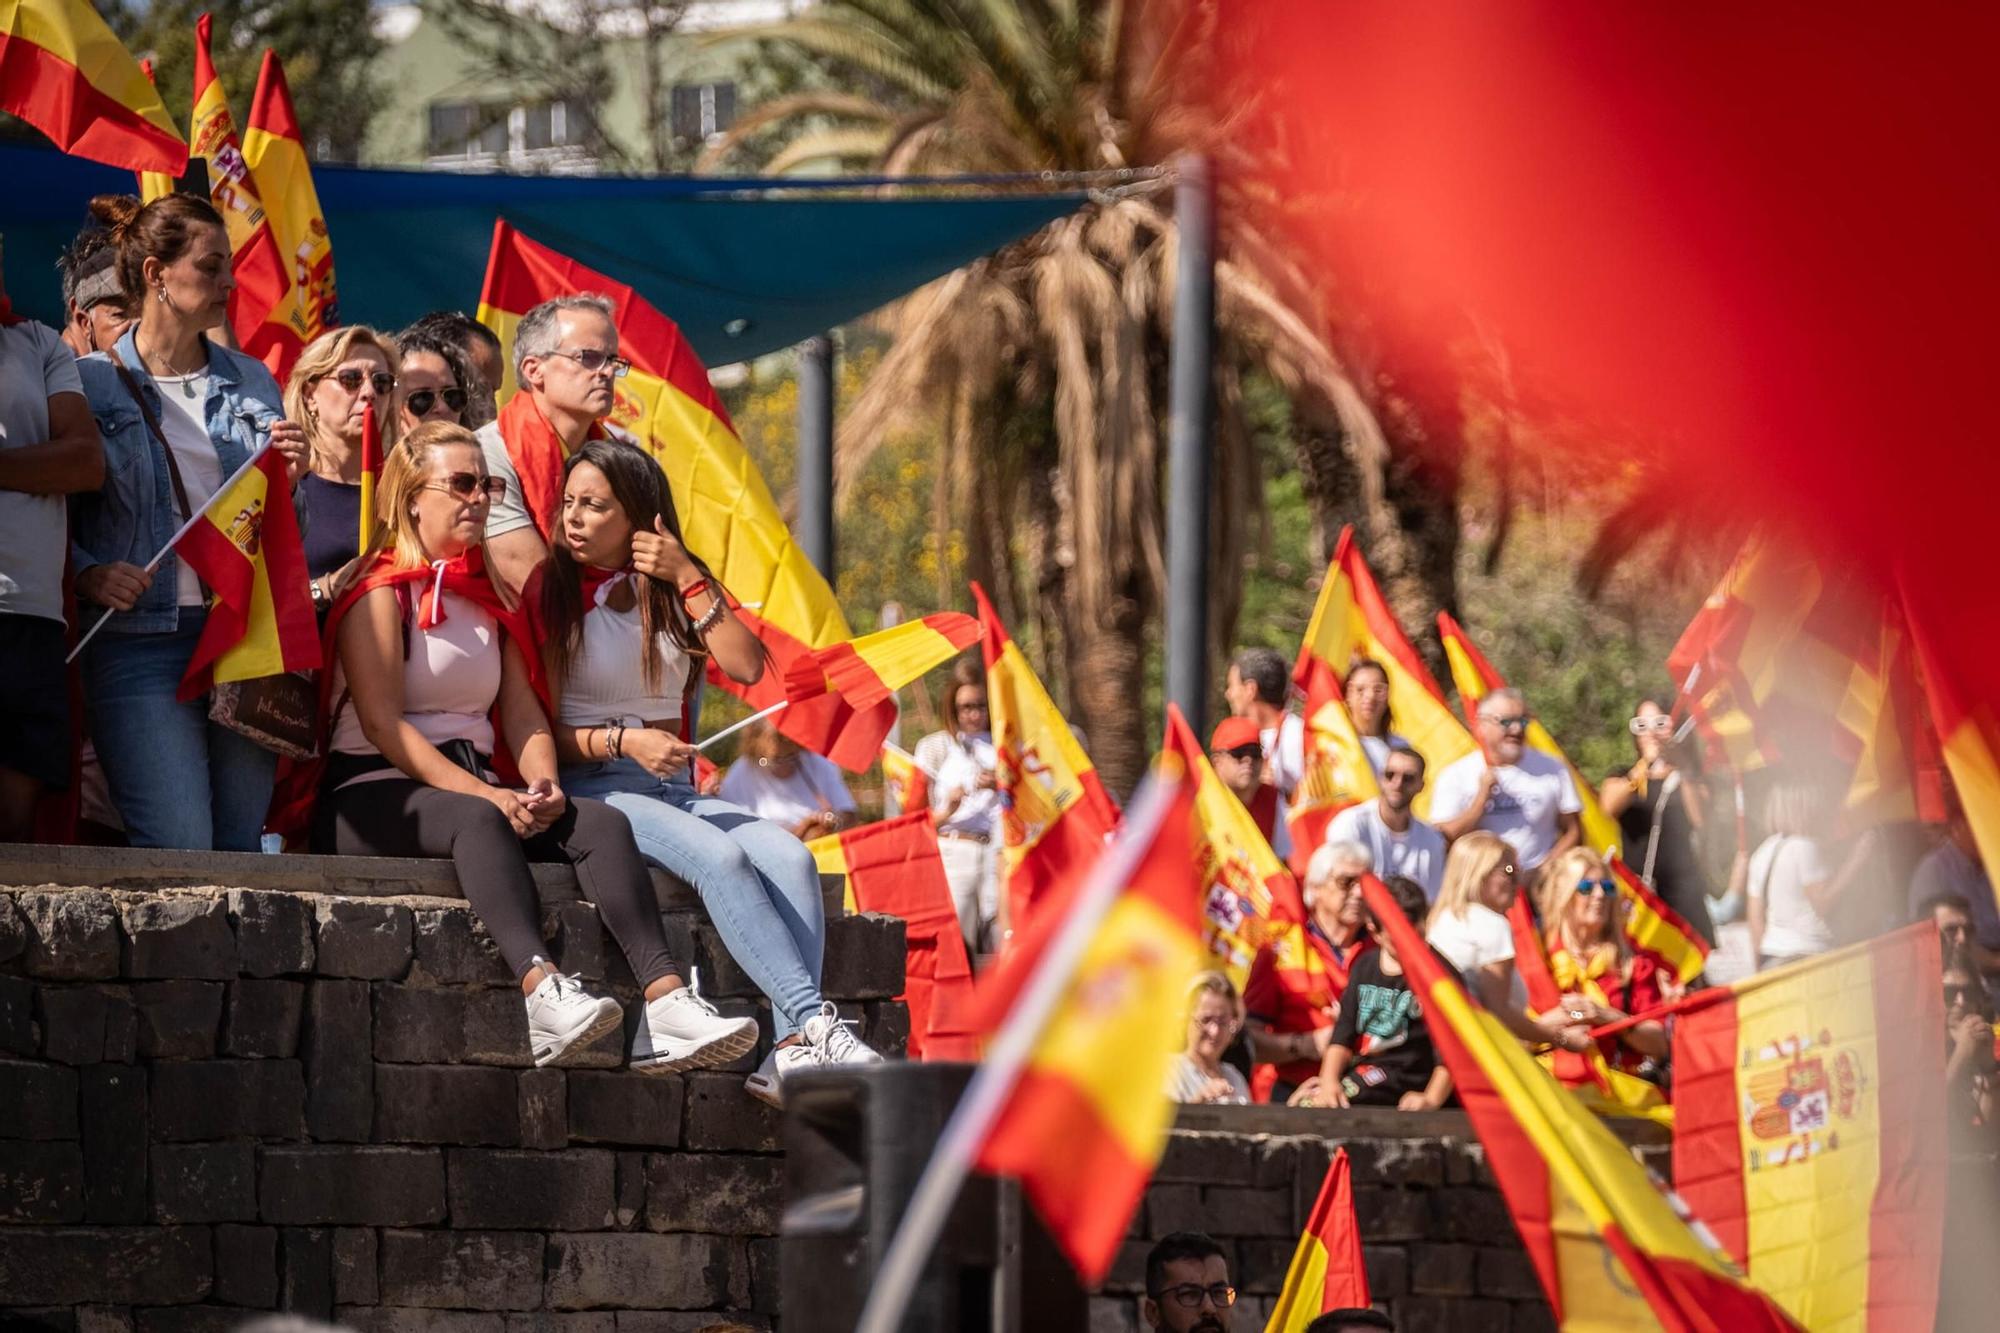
x: 1399, y: 778
x: 421, y: 401
x: 1589, y: 887
x: 470, y: 485
x: 352, y: 380
x: 1244, y: 752
x: 1660, y: 725
x: 1509, y: 723
x: 593, y: 359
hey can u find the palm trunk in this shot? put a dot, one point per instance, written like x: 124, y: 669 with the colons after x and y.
x: 1107, y: 696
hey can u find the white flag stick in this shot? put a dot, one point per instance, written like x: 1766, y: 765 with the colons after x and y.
x: 1000, y: 1069
x: 174, y: 540
x: 735, y: 727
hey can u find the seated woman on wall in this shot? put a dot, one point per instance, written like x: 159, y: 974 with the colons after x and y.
x: 1602, y: 980
x: 1215, y: 1016
x: 793, y: 788
x: 628, y: 618
x: 426, y: 649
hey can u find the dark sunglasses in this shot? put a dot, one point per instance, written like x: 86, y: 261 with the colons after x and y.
x: 352, y: 380
x: 1244, y: 752
x: 1589, y: 887
x: 421, y: 401
x: 1972, y: 997
x: 1399, y: 777
x: 466, y: 485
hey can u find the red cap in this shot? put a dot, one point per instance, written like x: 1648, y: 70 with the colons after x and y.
x: 1235, y: 733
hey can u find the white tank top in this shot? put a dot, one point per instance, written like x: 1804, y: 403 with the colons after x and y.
x: 450, y: 680
x: 606, y: 681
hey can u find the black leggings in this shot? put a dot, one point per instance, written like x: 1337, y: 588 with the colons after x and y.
x: 399, y: 817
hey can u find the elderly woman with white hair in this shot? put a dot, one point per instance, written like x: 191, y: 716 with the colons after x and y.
x: 1300, y: 972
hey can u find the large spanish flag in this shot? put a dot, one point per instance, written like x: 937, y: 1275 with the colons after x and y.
x: 246, y: 548
x: 893, y: 867
x: 1326, y: 1272
x: 1811, y: 1130
x: 1054, y: 813
x: 1246, y: 892
x: 867, y: 670
x: 1612, y: 1250
x: 1086, y: 1122
x: 155, y: 184
x: 263, y: 311
x: 274, y: 148
x: 63, y: 71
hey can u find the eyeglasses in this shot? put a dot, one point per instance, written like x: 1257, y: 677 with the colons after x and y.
x: 352, y: 380
x: 1245, y: 753
x: 421, y: 401
x: 1188, y: 1295
x: 1659, y: 723
x: 470, y: 486
x: 1399, y: 777
x: 594, y: 359
x: 1519, y: 723
x: 1958, y: 994
x: 972, y: 706
x: 1595, y: 886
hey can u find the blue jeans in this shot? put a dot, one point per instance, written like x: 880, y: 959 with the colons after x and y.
x: 177, y: 779
x: 758, y: 882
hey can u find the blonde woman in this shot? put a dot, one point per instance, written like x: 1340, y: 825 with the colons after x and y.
x: 1215, y: 1016
x: 428, y: 655
x: 1794, y: 889
x: 1468, y: 927
x: 1601, y: 979
x: 339, y: 378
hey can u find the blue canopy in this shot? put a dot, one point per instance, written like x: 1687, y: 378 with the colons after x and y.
x: 744, y: 266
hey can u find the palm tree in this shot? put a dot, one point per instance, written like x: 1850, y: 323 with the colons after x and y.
x: 1047, y: 362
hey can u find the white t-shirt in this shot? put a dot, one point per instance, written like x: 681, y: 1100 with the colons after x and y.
x: 814, y: 786
x: 606, y: 681
x: 1479, y: 937
x: 34, y: 533
x: 1417, y: 852
x: 1285, y: 754
x: 450, y: 680
x: 959, y: 770
x: 185, y: 424
x: 1780, y: 869
x: 1526, y: 799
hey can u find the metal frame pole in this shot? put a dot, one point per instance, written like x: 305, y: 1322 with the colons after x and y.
x: 816, y: 387
x: 1191, y: 427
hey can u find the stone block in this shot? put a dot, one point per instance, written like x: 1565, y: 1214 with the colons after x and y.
x: 400, y: 1319
x: 246, y: 1266
x: 636, y: 1271
x: 447, y: 1104
x: 644, y: 1110
x: 550, y: 1321
x: 358, y: 938
x: 41, y: 1182
x: 178, y: 1020
x: 542, y: 1096
x: 21, y: 1319
x: 1128, y: 1266
x: 584, y: 947
x: 453, y: 949
x: 1261, y: 1262
x: 1532, y: 1317
x: 355, y: 1280
x: 1209, y: 1158
x: 261, y: 1019
x: 1470, y: 1213
x: 1449, y: 1314
x: 461, y: 1270
x: 217, y: 1099
x: 1388, y: 1269
x: 1114, y: 1314
x: 1411, y: 1162
x: 205, y: 1182
x: 1171, y: 1208
x: 105, y: 1265
x: 188, y: 1319
x: 17, y: 1016
x: 1508, y: 1274
x: 1443, y: 1270
x: 115, y: 1139
x: 37, y: 1101
x: 690, y: 1321
x: 185, y: 935
x: 885, y: 1025
x: 631, y: 1204
x: 1234, y: 1211
x: 1391, y: 1214
x: 337, y: 1049
x: 721, y: 1117
x: 864, y: 957
x: 351, y: 1186
x: 740, y: 1196
x: 305, y: 1271
x: 451, y: 1025
x: 532, y: 1191
x: 766, y: 1253
x: 13, y: 930
x: 1464, y: 1162
x: 87, y: 1025
x: 1279, y: 1161
x: 274, y: 932
x: 72, y: 934
x: 103, y: 1319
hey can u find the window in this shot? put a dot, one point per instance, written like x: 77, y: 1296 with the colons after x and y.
x: 461, y: 129
x: 504, y: 130
x: 703, y: 110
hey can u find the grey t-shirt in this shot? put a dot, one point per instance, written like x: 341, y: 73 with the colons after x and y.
x: 509, y: 513
x: 34, y: 529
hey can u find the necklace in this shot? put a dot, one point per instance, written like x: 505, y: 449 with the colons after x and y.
x: 186, y: 377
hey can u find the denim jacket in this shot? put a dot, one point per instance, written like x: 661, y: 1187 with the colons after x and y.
x: 135, y: 513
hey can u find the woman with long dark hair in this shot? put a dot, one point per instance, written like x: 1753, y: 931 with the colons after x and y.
x: 628, y: 616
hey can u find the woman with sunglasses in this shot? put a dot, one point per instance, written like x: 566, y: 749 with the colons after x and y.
x: 339, y: 379
x: 1468, y: 926
x: 1659, y: 804
x: 1602, y: 980
x: 432, y: 384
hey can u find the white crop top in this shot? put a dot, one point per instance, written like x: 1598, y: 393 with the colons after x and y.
x: 450, y: 680
x: 606, y: 681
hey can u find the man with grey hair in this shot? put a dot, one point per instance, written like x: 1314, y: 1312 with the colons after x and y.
x: 1525, y: 796
x: 92, y: 298
x: 1296, y: 981
x: 566, y: 363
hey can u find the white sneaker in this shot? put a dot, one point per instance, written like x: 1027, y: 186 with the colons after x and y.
x: 827, y: 1033
x: 680, y: 1030
x: 767, y: 1085
x: 562, y: 1015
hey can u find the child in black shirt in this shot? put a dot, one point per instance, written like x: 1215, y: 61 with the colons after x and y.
x: 1381, y: 1053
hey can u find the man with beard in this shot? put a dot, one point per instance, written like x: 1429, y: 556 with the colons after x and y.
x: 1187, y: 1285
x: 1523, y: 795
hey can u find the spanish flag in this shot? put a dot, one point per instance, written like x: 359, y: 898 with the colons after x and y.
x: 1612, y: 1250
x: 870, y: 669
x: 263, y: 311
x: 246, y: 548
x: 893, y: 867
x: 63, y: 71
x: 1352, y: 621
x: 1654, y: 928
x: 1811, y: 1130
x: 1475, y: 678
x: 1336, y: 773
x: 154, y: 184
x: 907, y: 783
x: 1968, y: 730
x: 1054, y: 813
x: 274, y: 148
x: 1246, y: 892
x: 1085, y: 1123
x: 371, y: 473
x: 1327, y: 1271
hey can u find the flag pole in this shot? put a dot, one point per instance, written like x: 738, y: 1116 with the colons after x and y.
x: 174, y: 540
x: 999, y: 1070
x: 735, y: 727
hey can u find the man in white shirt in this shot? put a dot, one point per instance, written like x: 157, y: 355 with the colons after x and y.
x: 1398, y: 842
x: 1523, y: 795
x: 1258, y: 686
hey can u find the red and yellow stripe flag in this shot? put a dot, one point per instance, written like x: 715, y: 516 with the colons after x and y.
x: 1054, y: 813
x: 155, y: 184
x: 1327, y: 1271
x: 867, y: 670
x: 371, y: 473
x: 262, y: 309
x: 1336, y: 773
x: 907, y: 783
x: 1810, y: 1131
x: 1085, y: 1123
x: 246, y: 548
x: 1246, y: 892
x: 66, y: 73
x: 893, y: 867
x: 1968, y: 732
x: 274, y: 148
x: 1652, y: 927
x: 1612, y: 1250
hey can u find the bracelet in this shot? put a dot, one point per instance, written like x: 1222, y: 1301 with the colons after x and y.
x: 614, y: 741
x: 693, y: 589
x: 711, y: 617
